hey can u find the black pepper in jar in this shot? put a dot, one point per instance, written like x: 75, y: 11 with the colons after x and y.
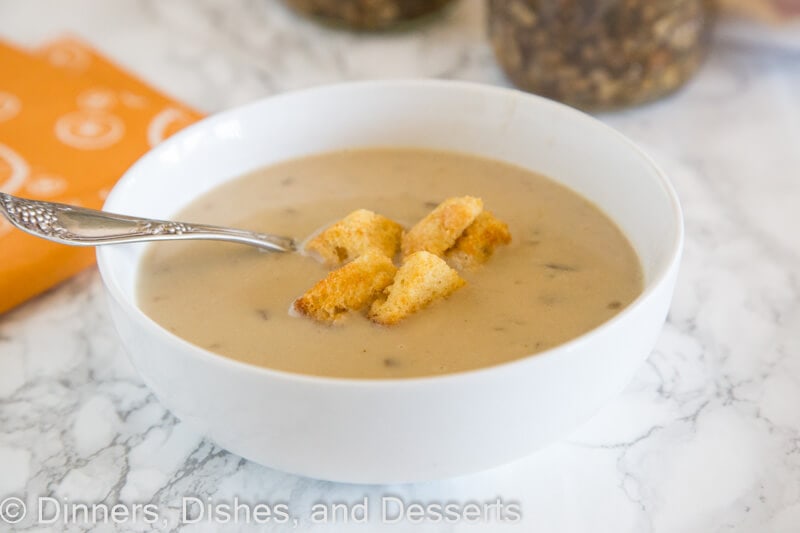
x: 600, y: 54
x: 366, y: 14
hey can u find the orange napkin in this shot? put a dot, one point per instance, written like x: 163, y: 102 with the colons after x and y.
x: 71, y: 123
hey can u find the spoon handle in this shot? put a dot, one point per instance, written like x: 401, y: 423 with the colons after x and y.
x: 79, y: 226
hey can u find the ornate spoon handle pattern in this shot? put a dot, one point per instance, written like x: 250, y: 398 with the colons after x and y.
x: 79, y: 226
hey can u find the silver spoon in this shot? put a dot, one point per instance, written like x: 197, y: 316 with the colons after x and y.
x: 79, y: 226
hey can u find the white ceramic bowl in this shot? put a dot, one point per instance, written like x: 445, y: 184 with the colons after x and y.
x: 375, y: 431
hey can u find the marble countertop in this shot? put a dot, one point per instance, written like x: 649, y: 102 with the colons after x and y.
x: 705, y: 439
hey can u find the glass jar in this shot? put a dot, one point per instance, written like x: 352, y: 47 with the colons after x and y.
x: 600, y: 54
x: 367, y: 14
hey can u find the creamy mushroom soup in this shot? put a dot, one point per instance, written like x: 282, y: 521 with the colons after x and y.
x: 568, y: 269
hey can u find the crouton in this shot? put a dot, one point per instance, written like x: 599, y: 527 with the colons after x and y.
x: 352, y: 236
x: 478, y: 242
x: 439, y: 230
x: 349, y: 288
x: 422, y: 279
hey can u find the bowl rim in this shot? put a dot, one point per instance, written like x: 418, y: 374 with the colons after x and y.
x: 661, y: 276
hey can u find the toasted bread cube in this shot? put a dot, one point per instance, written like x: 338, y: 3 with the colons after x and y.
x: 423, y: 278
x: 354, y: 235
x: 349, y: 288
x: 478, y: 242
x: 439, y: 230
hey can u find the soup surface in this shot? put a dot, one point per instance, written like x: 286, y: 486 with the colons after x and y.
x: 568, y: 268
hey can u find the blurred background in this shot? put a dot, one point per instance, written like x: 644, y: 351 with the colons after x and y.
x: 218, y: 53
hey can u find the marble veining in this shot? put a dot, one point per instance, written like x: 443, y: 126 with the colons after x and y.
x: 705, y: 439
